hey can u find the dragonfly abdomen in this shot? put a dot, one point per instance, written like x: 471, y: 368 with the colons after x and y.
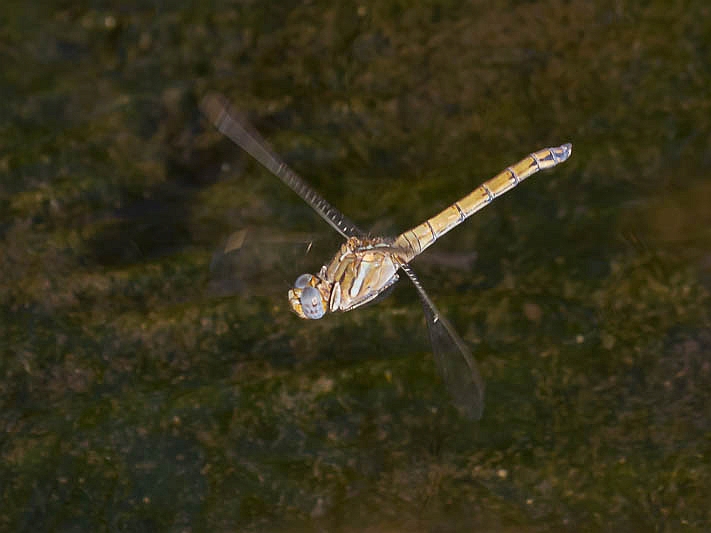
x: 414, y: 241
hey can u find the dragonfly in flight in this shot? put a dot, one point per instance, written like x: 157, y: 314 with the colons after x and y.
x: 365, y: 266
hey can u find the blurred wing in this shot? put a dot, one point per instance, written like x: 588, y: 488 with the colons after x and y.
x: 218, y: 110
x: 454, y: 361
x: 259, y: 262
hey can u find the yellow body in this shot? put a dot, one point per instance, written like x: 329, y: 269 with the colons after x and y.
x: 363, y: 268
x: 421, y: 237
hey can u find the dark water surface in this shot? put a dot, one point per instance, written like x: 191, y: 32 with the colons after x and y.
x: 138, y: 393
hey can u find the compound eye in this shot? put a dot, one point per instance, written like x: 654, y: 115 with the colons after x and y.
x: 303, y: 281
x: 311, y: 302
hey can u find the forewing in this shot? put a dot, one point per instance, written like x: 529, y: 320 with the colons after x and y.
x: 260, y: 262
x: 237, y: 128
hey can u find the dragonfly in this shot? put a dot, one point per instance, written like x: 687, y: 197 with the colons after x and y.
x: 366, y: 266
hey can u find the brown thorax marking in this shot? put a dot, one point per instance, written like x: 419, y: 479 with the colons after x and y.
x: 359, y: 272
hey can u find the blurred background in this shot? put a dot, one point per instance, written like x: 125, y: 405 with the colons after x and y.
x: 144, y: 388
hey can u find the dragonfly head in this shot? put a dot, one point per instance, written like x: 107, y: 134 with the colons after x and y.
x: 309, y: 297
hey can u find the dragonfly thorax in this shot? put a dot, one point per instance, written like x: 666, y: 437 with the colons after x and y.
x: 360, y: 271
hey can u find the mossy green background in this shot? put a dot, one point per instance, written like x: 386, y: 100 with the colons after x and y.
x: 136, y: 397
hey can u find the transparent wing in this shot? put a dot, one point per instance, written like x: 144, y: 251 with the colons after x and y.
x: 262, y: 262
x: 454, y: 361
x: 217, y: 108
